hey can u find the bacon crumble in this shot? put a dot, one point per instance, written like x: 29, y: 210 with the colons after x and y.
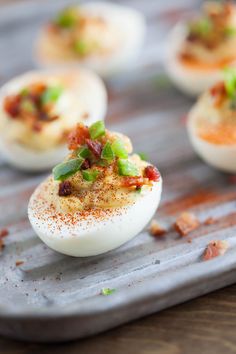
x: 186, y: 223
x: 152, y: 173
x: 65, y: 189
x: 215, y: 249
x: 156, y: 229
x: 95, y: 147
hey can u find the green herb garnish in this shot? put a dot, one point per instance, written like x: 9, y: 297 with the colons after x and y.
x: 143, y: 156
x: 230, y: 31
x: 119, y: 149
x: 127, y: 168
x: 28, y: 106
x: 201, y: 27
x: 66, y: 18
x: 230, y: 82
x: 107, y: 152
x: 81, y: 47
x: 51, y: 94
x: 83, y: 152
x: 67, y: 169
x: 97, y: 129
x: 107, y: 291
x: 90, y: 175
x: 24, y: 92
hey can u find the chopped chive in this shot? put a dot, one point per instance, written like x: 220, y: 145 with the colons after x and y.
x: 230, y: 82
x: 81, y: 47
x: 90, y: 175
x: 66, y: 18
x: 83, y: 152
x: 107, y: 152
x: 143, y: 156
x: 97, y: 129
x: 51, y: 94
x: 67, y: 169
x: 119, y: 149
x: 127, y: 168
x: 107, y: 291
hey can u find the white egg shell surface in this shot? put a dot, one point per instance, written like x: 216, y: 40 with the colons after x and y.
x: 129, y: 27
x: 189, y: 80
x: 84, y: 98
x: 219, y: 156
x: 95, y: 231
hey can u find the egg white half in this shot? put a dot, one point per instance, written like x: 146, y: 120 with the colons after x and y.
x: 89, y: 98
x: 95, y: 233
x: 131, y: 30
x: 219, y: 156
x: 189, y: 81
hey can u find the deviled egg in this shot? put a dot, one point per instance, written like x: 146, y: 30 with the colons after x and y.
x: 98, y: 198
x: 212, y: 124
x: 38, y: 110
x: 102, y: 36
x: 199, y: 49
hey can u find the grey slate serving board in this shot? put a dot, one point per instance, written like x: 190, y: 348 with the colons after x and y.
x: 52, y: 297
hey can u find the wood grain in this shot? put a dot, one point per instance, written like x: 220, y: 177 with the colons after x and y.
x: 206, y: 325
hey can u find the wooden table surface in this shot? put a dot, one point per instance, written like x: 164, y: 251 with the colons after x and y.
x: 204, y: 325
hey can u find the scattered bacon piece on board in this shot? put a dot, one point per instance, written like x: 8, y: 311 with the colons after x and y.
x: 209, y: 221
x: 18, y: 263
x: 186, y: 223
x: 156, y: 229
x: 215, y: 249
x: 4, y: 232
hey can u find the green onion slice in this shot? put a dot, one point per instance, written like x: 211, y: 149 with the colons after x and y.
x: 201, y: 27
x: 107, y: 152
x: 81, y: 47
x: 66, y: 18
x: 90, y: 175
x: 143, y: 156
x: 107, y: 291
x: 28, y: 106
x: 83, y: 152
x: 67, y: 169
x: 51, y: 94
x: 127, y: 168
x: 230, y: 82
x: 97, y: 129
x: 119, y: 149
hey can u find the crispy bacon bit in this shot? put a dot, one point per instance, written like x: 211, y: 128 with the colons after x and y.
x: 64, y: 189
x: 209, y: 221
x: 156, y: 229
x: 12, y: 105
x: 18, y: 263
x: 1, y: 244
x: 232, y: 179
x: 4, y: 233
x: 218, y: 93
x: 78, y: 136
x: 95, y: 147
x: 86, y: 164
x: 215, y: 249
x: 186, y: 223
x: 136, y: 181
x: 152, y: 173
